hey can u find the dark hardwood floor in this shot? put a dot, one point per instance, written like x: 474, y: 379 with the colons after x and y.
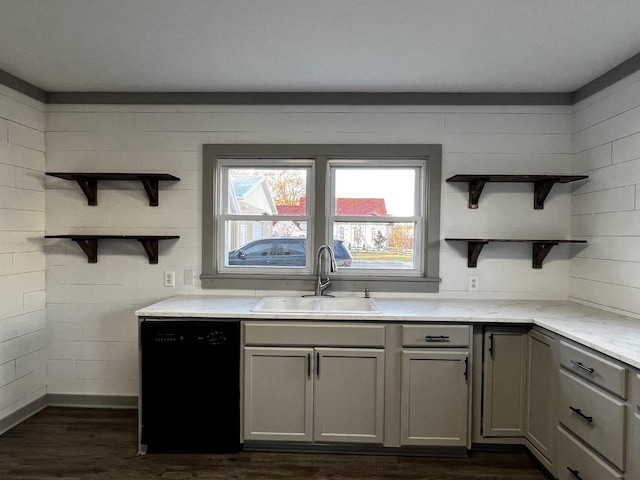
x: 82, y: 444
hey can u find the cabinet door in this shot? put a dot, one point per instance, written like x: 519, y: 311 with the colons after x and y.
x: 633, y: 446
x: 435, y: 398
x: 504, y: 392
x: 349, y: 395
x: 278, y: 394
x: 541, y: 389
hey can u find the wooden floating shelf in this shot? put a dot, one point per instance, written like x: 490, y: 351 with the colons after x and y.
x: 88, y: 182
x: 89, y: 243
x: 542, y: 184
x: 541, y: 248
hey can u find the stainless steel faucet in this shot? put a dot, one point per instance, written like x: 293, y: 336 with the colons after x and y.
x: 323, y: 280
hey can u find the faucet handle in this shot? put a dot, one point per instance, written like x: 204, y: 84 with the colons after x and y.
x: 366, y: 293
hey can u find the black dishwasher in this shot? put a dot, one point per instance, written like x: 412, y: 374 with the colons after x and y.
x: 190, y: 386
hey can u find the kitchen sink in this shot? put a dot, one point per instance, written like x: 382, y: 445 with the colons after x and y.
x: 317, y: 305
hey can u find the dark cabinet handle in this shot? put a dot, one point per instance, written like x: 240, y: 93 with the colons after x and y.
x: 578, y: 412
x: 437, y: 338
x: 574, y: 473
x: 491, y: 344
x: 309, y: 365
x: 466, y: 368
x: 580, y: 365
x: 317, y: 364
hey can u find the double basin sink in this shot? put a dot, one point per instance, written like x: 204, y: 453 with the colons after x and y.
x: 317, y: 305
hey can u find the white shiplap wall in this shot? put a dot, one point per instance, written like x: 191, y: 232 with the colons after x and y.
x: 606, y: 210
x: 23, y: 353
x: 92, y: 328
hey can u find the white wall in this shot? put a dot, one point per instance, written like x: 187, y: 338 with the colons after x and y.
x: 23, y: 354
x: 92, y: 329
x: 606, y: 209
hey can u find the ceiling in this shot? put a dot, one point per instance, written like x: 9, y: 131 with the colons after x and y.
x: 315, y: 45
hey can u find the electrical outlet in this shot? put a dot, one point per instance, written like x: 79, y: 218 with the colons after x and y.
x: 189, y: 273
x: 474, y: 283
x: 169, y: 278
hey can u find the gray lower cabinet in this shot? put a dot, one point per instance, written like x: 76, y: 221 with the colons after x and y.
x: 633, y: 446
x: 278, y: 394
x: 435, y: 385
x: 505, y: 387
x: 541, y: 397
x: 314, y: 394
x: 435, y: 398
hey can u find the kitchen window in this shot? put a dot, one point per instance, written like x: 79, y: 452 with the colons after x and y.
x: 267, y: 209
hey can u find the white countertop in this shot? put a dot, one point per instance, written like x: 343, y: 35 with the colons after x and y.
x: 612, y: 334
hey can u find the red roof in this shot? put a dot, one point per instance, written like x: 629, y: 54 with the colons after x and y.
x: 361, y: 207
x: 350, y: 207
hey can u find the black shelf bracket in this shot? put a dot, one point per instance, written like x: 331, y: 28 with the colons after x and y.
x: 151, y: 187
x: 150, y: 246
x: 90, y: 189
x: 90, y: 247
x: 475, y: 189
x: 540, y: 252
x: 473, y: 252
x: 541, y: 192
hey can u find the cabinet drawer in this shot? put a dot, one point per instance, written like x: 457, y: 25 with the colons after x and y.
x: 435, y: 336
x: 594, y: 368
x: 313, y: 334
x: 573, y: 456
x: 594, y: 416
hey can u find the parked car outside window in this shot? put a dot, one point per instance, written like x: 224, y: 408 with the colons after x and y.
x: 282, y: 252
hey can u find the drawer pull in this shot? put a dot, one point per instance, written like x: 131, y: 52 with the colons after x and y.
x: 308, y: 365
x: 574, y: 473
x: 580, y: 365
x: 578, y: 412
x: 437, y: 338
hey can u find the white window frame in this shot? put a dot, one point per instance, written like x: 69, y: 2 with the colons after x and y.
x: 213, y: 276
x: 418, y: 219
x: 223, y: 167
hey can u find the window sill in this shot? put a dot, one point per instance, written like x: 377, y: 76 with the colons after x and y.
x: 308, y: 283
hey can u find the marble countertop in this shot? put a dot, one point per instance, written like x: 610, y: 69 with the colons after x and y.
x: 615, y: 335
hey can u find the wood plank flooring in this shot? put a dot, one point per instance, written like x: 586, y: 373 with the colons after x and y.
x: 74, y: 443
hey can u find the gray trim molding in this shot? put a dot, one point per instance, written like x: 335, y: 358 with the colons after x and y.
x: 614, y: 75
x: 66, y: 400
x: 20, y: 415
x: 309, y: 98
x: 21, y: 86
x: 91, y: 401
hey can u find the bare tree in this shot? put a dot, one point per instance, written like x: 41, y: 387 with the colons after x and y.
x: 287, y: 186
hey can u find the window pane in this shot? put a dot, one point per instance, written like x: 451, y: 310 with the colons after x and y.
x: 380, y: 192
x: 274, y: 191
x: 260, y: 244
x: 379, y: 246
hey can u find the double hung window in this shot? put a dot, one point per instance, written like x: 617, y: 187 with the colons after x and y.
x: 268, y: 208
